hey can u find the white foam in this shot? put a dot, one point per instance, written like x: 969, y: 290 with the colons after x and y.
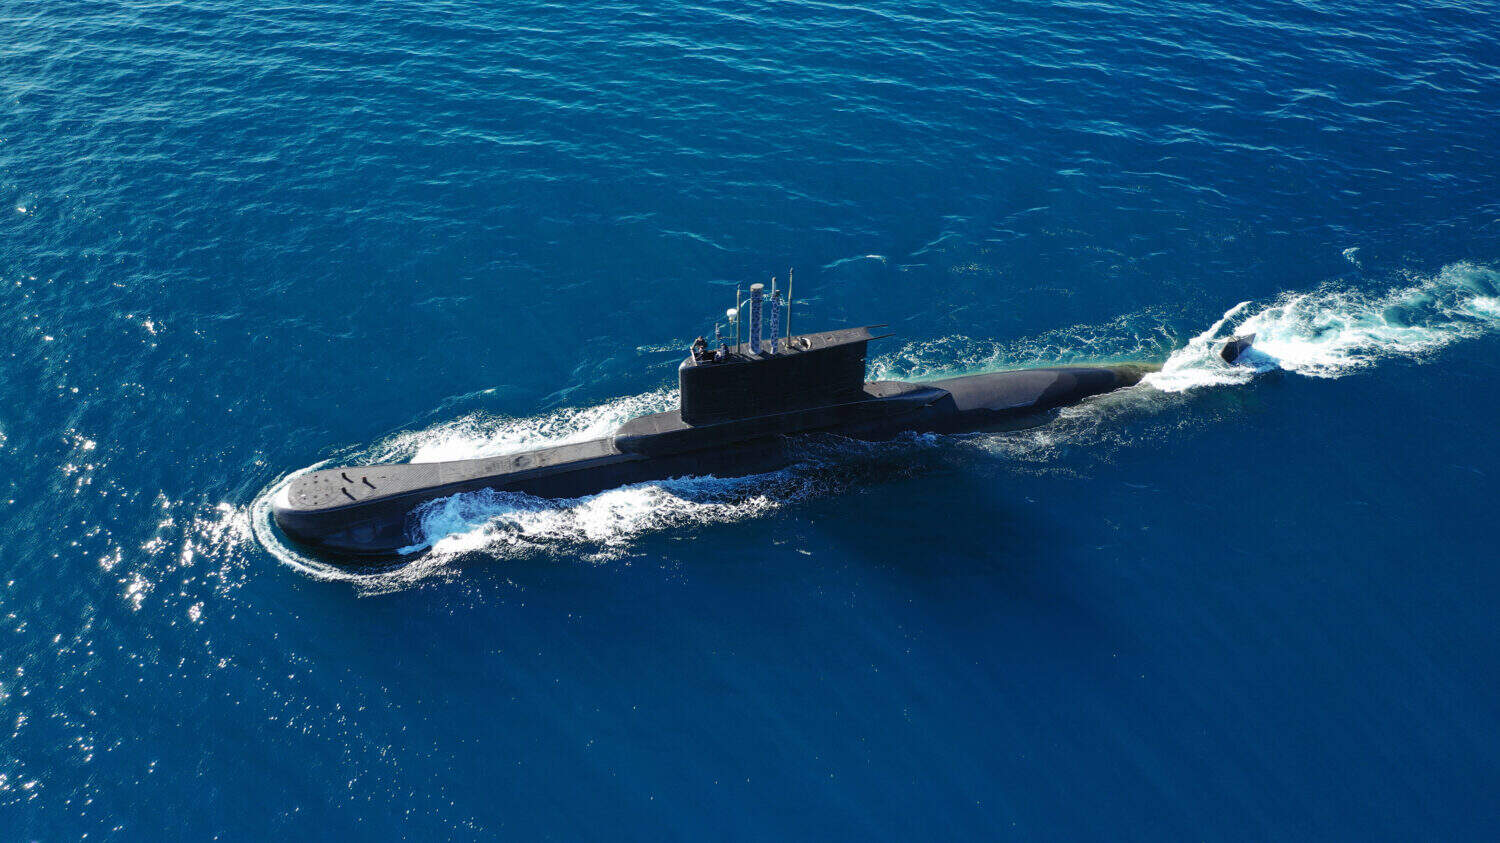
x: 1333, y: 331
x: 478, y: 435
x: 507, y: 524
x: 1138, y: 336
x: 1486, y: 306
x: 855, y: 259
x: 597, y: 526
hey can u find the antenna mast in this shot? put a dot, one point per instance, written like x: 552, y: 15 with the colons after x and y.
x: 774, y: 321
x: 789, y: 307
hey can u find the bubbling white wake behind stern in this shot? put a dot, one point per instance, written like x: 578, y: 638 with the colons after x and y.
x: 1332, y: 331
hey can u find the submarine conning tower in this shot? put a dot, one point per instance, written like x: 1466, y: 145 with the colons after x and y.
x: 761, y: 375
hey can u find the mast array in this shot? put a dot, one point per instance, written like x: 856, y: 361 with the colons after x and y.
x: 764, y: 323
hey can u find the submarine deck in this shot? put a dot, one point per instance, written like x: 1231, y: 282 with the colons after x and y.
x: 968, y: 401
x: 336, y: 488
x: 367, y: 510
x: 641, y: 438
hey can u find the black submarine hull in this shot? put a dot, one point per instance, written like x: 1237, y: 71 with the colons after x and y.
x: 372, y: 511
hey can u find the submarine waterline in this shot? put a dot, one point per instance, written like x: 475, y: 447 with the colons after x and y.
x: 738, y: 406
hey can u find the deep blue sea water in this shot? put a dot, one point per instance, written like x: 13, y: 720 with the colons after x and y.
x: 239, y: 240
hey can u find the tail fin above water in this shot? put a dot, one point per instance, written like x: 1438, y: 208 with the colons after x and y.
x: 1235, y: 347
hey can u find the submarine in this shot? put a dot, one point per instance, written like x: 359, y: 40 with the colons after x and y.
x: 740, y: 408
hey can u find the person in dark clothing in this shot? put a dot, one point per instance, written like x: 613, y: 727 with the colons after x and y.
x: 700, y: 350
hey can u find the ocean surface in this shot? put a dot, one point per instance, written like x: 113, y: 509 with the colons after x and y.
x: 238, y: 241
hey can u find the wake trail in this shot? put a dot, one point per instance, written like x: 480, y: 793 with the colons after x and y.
x: 1333, y: 331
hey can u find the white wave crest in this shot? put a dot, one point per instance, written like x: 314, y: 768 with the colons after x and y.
x: 479, y: 435
x: 1332, y: 331
x: 597, y: 526
x: 1143, y: 335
